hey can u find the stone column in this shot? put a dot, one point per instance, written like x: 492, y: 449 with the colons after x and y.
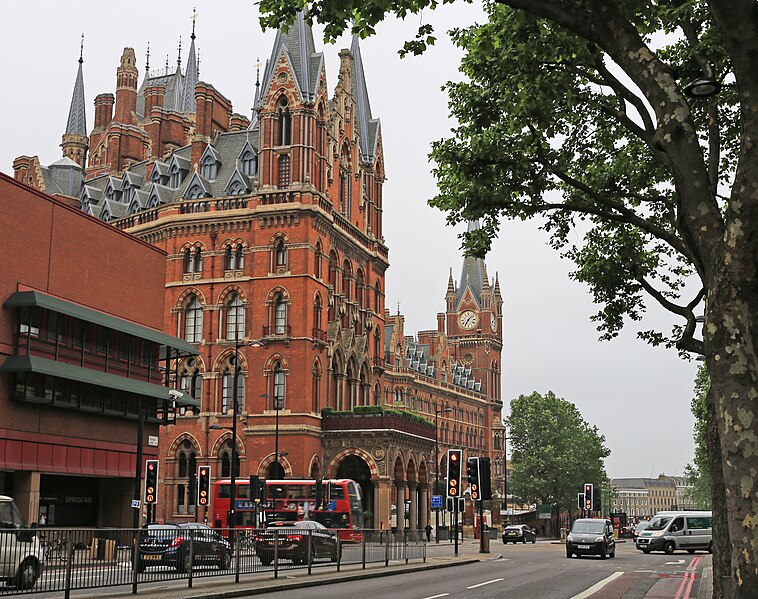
x: 412, y: 491
x: 27, y: 494
x: 400, y: 504
x: 425, y: 506
x: 382, y: 503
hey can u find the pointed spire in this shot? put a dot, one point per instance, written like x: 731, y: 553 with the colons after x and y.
x: 179, y: 56
x: 300, y: 48
x: 450, y: 283
x: 368, y: 127
x: 77, y: 118
x: 189, y: 104
x: 473, y: 274
x: 147, y: 61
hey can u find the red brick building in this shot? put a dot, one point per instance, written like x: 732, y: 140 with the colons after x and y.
x: 273, y: 234
x: 79, y: 353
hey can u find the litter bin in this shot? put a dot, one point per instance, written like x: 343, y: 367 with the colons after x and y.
x: 103, y: 549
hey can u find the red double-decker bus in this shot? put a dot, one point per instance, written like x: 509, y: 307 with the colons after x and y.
x: 293, y: 500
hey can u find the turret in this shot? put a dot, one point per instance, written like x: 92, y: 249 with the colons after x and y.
x: 126, y: 88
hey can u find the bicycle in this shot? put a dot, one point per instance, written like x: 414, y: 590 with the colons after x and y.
x: 56, y: 549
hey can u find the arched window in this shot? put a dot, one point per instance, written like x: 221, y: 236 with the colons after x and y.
x: 191, y: 381
x: 280, y: 253
x: 317, y: 269
x: 377, y: 295
x: 283, y: 171
x: 347, y: 273
x: 227, y: 391
x: 195, y: 192
x: 278, y: 394
x: 225, y: 456
x: 198, y: 260
x: 359, y: 288
x: 247, y: 163
x: 317, y: 313
x: 209, y: 167
x: 186, y: 462
x: 189, y: 261
x: 285, y: 122
x: 235, y: 317
x: 316, y: 391
x: 280, y: 315
x: 237, y: 189
x: 228, y: 258
x: 378, y: 353
x: 239, y: 257
x: 193, y: 323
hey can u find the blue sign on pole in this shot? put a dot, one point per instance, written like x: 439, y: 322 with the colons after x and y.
x: 332, y: 506
x: 436, y: 501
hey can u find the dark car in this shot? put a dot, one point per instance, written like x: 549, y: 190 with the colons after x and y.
x: 295, y: 541
x: 591, y: 536
x: 518, y: 533
x: 169, y: 545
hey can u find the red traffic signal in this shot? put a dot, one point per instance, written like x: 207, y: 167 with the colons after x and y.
x: 588, y: 495
x: 454, y: 457
x: 151, y: 481
x: 203, y: 485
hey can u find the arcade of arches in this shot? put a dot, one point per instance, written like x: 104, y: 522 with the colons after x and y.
x: 394, y: 477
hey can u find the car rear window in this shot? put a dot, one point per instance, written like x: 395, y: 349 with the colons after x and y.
x: 588, y: 528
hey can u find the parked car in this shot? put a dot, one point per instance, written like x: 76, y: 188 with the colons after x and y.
x: 591, y: 536
x: 21, y: 554
x: 518, y: 533
x: 295, y: 540
x: 169, y: 545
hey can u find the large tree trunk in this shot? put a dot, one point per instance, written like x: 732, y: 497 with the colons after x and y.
x: 731, y: 360
x: 722, y: 548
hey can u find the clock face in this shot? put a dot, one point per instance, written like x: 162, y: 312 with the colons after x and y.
x: 493, y: 322
x: 468, y: 320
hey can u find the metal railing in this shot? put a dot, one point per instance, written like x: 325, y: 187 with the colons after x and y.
x: 64, y: 560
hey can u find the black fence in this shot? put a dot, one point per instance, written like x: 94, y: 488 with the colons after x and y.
x: 62, y: 560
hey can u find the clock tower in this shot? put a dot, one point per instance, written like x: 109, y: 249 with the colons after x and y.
x: 474, y: 324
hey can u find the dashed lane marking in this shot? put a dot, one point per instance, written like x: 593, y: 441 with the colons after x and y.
x: 481, y: 584
x: 596, y: 587
x: 437, y: 596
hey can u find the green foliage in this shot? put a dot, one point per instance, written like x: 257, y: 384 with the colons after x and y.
x: 698, y: 473
x: 554, y: 451
x: 371, y: 410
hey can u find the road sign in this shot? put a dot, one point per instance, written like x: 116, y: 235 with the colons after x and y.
x: 136, y: 503
x: 332, y: 505
x: 436, y: 501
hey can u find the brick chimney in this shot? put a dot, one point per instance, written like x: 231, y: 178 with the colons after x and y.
x: 126, y: 88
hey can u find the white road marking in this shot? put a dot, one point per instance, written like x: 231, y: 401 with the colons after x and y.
x: 676, y: 563
x: 596, y: 587
x: 437, y: 596
x: 481, y: 584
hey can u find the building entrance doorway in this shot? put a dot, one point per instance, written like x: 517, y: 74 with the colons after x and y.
x: 355, y: 468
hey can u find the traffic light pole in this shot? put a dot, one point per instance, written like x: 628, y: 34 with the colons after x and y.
x: 483, y: 545
x: 455, y: 521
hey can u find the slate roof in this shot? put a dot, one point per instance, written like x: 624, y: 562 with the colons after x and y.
x: 189, y: 104
x: 297, y: 44
x: 367, y: 125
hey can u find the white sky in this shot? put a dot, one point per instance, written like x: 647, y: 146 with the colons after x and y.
x: 638, y: 396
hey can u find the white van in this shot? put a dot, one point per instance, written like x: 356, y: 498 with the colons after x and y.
x: 669, y: 531
x: 21, y: 555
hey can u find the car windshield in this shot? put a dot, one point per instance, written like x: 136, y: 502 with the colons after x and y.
x: 588, y: 528
x: 659, y: 523
x: 641, y: 526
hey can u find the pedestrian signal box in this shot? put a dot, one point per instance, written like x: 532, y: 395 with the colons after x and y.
x: 454, y: 457
x: 151, y: 481
x: 203, y: 485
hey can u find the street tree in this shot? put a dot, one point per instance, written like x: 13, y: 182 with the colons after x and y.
x: 575, y: 112
x: 554, y: 451
x: 698, y: 472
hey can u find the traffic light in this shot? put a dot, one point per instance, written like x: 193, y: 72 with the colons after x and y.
x: 203, y: 485
x: 485, y: 478
x: 580, y: 500
x: 454, y: 457
x: 319, y: 493
x: 588, y: 496
x: 596, y: 499
x: 472, y: 471
x: 151, y: 481
x: 255, y: 488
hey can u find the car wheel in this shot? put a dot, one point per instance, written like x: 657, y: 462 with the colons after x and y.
x: 534, y: 540
x: 669, y: 547
x: 27, y: 574
x: 225, y: 560
x: 604, y: 552
x: 646, y: 551
x: 523, y: 540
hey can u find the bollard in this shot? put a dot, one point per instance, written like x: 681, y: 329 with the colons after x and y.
x: 363, y: 549
x: 191, y: 558
x: 237, y: 559
x: 310, y: 552
x: 276, y: 554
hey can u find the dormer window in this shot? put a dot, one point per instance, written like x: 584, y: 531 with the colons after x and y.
x: 285, y: 122
x: 176, y: 177
x: 236, y: 189
x: 209, y: 168
x: 195, y: 192
x: 247, y: 163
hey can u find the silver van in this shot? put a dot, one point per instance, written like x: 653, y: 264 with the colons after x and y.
x: 21, y: 555
x: 671, y: 531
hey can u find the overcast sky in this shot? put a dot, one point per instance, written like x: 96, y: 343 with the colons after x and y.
x: 638, y: 396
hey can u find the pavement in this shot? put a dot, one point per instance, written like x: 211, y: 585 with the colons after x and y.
x: 256, y: 584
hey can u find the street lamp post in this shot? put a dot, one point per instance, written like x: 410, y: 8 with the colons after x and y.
x: 277, y: 407
x: 437, y: 467
x: 233, y: 472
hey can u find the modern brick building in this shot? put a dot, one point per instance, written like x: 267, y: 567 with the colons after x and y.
x: 79, y: 356
x: 273, y: 234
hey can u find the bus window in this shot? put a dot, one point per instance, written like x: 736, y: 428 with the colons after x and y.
x: 333, y: 519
